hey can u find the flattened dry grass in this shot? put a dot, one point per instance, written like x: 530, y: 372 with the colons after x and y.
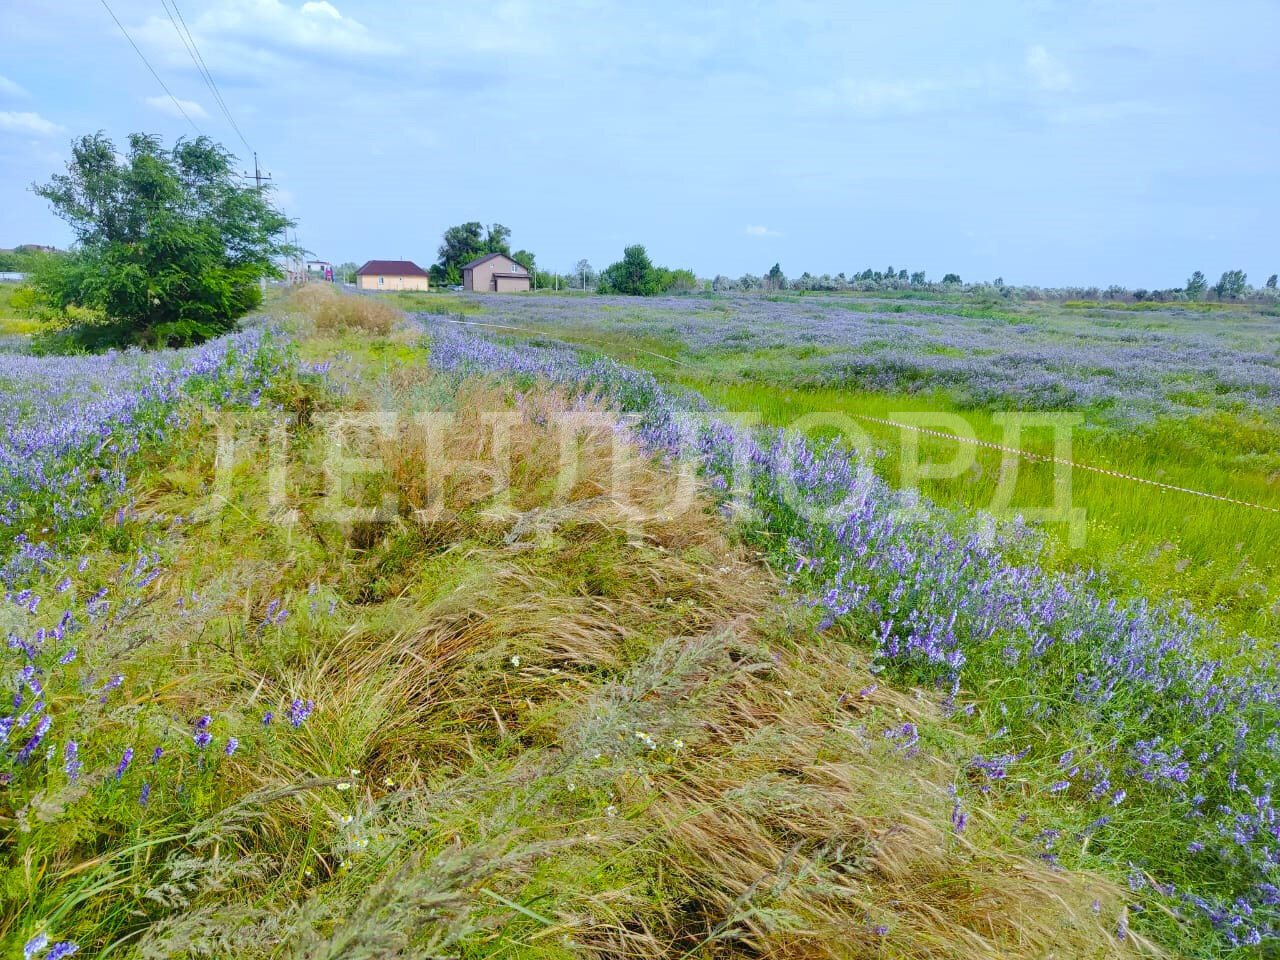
x: 582, y: 727
x: 334, y: 311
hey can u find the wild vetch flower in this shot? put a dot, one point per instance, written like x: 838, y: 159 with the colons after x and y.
x: 145, y: 795
x: 61, y: 950
x: 298, y: 712
x: 29, y: 747
x: 72, y: 766
x: 35, y: 946
x: 230, y: 748
x: 125, y: 759
x: 202, y: 738
x: 156, y: 754
x: 267, y: 718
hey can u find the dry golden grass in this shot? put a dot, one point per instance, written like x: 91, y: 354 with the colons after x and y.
x: 506, y: 662
x: 333, y: 311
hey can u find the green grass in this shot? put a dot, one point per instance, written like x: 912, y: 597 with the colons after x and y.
x: 12, y: 322
x: 442, y: 302
x: 1154, y: 540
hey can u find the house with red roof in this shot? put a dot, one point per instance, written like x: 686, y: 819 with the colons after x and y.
x: 392, y: 275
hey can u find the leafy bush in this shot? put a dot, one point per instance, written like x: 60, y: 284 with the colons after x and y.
x: 170, y: 245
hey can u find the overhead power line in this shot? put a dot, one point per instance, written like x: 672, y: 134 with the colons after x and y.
x: 197, y: 58
x: 144, y: 59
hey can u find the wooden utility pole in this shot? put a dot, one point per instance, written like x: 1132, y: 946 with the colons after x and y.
x: 258, y: 177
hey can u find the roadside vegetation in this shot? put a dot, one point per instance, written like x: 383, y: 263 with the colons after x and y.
x: 558, y: 725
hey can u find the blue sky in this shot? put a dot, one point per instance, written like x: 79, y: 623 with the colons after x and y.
x: 1079, y: 142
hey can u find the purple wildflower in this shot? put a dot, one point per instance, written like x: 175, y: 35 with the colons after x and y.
x: 298, y: 712
x: 72, y: 766
x: 125, y: 759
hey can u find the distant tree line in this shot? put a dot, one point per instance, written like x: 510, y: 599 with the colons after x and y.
x: 1232, y: 285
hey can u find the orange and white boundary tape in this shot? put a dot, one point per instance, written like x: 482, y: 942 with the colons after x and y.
x: 1066, y: 463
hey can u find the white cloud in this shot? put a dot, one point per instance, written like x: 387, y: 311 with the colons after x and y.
x: 757, y: 230
x: 237, y: 35
x: 167, y: 105
x: 28, y: 123
x: 10, y: 89
x: 1047, y: 72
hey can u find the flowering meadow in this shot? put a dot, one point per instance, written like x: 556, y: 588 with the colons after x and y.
x: 73, y: 423
x: 238, y: 723
x: 1124, y: 366
x: 1133, y: 737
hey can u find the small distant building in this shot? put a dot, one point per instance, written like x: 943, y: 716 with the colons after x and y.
x: 392, y: 275
x: 319, y: 270
x: 497, y: 273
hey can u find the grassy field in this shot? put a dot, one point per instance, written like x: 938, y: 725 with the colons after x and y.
x: 535, y: 728
x: 1207, y: 429
x: 294, y: 675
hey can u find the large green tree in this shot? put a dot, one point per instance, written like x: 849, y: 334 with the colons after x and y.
x: 170, y: 243
x: 464, y: 243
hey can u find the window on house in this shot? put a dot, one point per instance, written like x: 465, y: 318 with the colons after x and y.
x: 380, y: 280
